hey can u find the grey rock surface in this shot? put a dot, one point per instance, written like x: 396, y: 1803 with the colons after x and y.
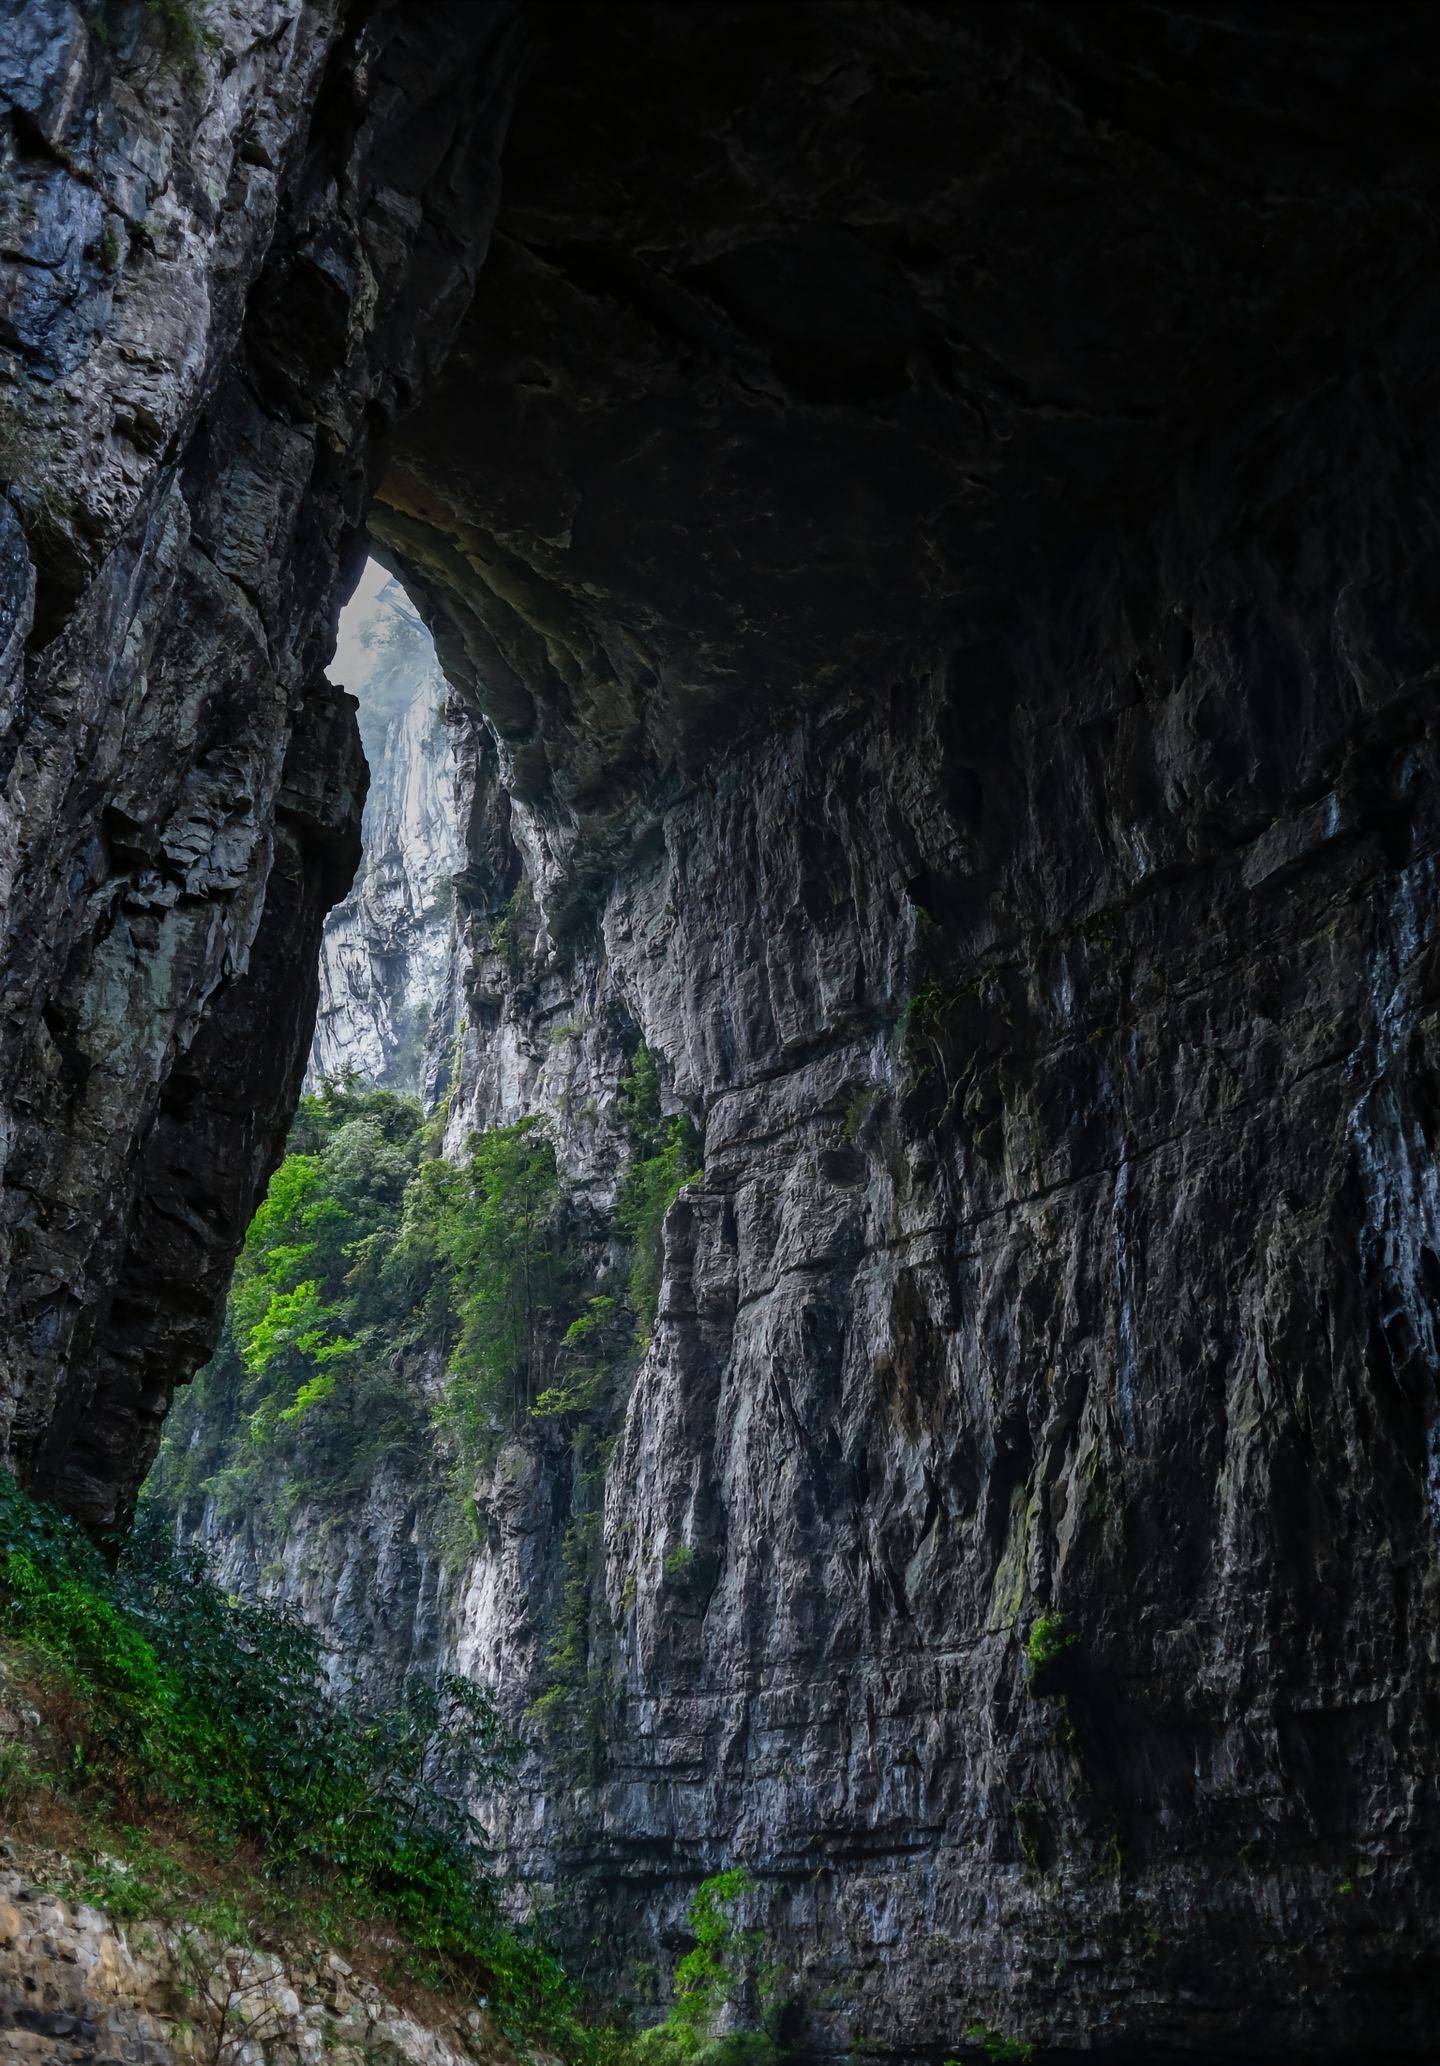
x: 204, y: 241
x: 386, y: 951
x: 926, y: 516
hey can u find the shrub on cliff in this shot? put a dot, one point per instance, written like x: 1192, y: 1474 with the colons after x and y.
x: 371, y: 1260
x: 499, y: 1221
x: 723, y: 1975
x: 333, y: 1289
x: 665, y: 1156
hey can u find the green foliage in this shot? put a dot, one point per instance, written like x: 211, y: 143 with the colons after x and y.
x: 665, y: 1156
x: 369, y: 1254
x: 573, y: 1690
x: 679, y: 1562
x: 511, y: 935
x: 339, y: 1283
x: 857, y: 1112
x: 723, y: 1967
x: 1047, y: 1643
x: 593, y: 1350
x: 1004, y: 2051
x: 372, y: 1258
x: 182, y: 1699
x: 499, y: 1221
x: 1031, y: 1829
x: 928, y: 1008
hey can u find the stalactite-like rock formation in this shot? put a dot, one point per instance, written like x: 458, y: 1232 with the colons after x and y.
x: 927, y: 511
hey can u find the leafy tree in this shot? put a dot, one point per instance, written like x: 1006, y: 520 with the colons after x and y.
x: 593, y: 1349
x: 370, y: 1257
x: 334, y: 1289
x: 500, y: 1224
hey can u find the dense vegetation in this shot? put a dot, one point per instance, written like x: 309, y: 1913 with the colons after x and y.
x: 337, y: 1290
x: 389, y: 1303
x: 386, y: 1301
x: 665, y: 1155
x: 176, y: 1710
x: 202, y: 1772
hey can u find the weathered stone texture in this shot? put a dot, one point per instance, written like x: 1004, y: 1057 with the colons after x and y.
x: 189, y: 399
x: 927, y: 516
x: 78, y: 1989
x: 386, y: 951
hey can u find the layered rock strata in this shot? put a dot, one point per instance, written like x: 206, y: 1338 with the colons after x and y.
x: 927, y: 516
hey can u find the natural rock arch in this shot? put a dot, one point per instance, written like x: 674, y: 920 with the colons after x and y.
x: 931, y: 506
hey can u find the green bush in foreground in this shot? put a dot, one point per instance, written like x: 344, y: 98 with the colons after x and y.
x: 178, y: 1699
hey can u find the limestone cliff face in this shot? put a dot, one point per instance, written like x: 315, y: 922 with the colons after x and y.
x: 386, y: 952
x: 208, y: 236
x: 926, y: 518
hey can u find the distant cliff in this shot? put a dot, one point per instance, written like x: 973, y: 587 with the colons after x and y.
x: 384, y: 962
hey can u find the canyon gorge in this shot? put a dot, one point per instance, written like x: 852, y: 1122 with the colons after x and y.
x: 922, y: 799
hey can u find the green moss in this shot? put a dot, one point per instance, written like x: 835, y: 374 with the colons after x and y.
x: 857, y: 1112
x: 571, y: 1706
x: 1046, y: 1644
x: 1004, y: 2051
x: 1031, y: 1829
x: 665, y: 1156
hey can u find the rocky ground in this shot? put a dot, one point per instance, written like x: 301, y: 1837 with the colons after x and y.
x: 79, y: 1989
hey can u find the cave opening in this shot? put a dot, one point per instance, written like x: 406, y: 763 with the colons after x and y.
x: 867, y: 1268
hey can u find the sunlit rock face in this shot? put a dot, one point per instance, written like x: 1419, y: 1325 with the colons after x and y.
x: 386, y: 951
x: 925, y: 513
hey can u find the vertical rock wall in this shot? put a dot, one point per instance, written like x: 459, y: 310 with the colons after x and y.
x: 953, y: 665
x: 927, y: 522
x: 386, y: 951
x: 211, y: 223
